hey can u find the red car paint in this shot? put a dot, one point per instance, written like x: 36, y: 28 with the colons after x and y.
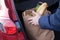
x: 8, y: 23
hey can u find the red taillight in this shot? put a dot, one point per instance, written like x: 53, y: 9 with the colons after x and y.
x: 8, y: 26
x: 10, y: 30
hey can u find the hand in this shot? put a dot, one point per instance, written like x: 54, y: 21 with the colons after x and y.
x: 34, y: 20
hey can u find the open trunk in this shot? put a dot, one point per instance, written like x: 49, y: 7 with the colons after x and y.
x: 22, y: 5
x: 16, y: 8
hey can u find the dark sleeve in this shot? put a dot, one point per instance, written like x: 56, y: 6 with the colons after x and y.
x: 51, y: 22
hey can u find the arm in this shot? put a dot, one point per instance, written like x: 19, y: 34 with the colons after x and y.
x: 51, y: 21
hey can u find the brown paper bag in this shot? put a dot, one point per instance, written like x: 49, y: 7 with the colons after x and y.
x: 35, y: 32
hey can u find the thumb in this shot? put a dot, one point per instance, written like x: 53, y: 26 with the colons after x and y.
x: 34, y: 12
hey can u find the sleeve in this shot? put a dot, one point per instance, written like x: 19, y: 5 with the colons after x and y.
x: 52, y: 21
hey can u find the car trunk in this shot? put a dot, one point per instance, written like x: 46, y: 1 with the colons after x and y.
x: 22, y: 5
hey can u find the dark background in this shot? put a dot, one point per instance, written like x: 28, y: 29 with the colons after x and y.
x: 27, y: 4
x: 22, y: 5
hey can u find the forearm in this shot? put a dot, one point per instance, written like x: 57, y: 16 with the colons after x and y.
x: 51, y: 22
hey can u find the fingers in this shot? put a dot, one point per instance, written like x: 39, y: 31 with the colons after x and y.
x: 30, y: 19
x: 31, y: 22
x: 34, y: 12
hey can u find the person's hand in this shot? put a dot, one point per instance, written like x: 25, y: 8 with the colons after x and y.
x: 34, y: 20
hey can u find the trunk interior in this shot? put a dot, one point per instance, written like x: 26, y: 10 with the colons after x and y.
x: 22, y: 5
